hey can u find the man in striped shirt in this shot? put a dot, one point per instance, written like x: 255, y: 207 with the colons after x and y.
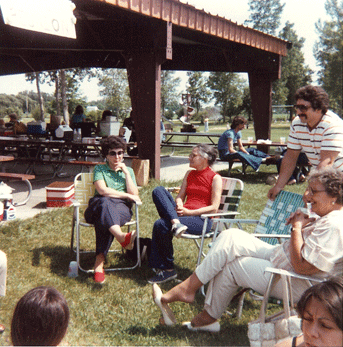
x: 315, y: 131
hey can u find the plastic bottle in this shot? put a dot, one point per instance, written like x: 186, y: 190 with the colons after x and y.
x: 79, y: 135
x: 75, y: 135
x: 73, y: 269
x: 9, y: 211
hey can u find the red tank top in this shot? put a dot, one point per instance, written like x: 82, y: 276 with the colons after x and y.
x: 199, y: 188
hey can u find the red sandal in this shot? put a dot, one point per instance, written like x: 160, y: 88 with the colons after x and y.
x: 129, y: 240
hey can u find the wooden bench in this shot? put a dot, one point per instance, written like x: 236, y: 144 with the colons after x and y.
x: 19, y: 177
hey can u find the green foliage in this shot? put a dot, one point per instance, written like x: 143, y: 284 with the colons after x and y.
x: 265, y: 15
x: 94, y: 116
x: 15, y: 104
x: 169, y: 94
x: 36, y: 114
x: 198, y: 89
x: 227, y: 89
x: 115, y: 89
x: 294, y: 73
x: 329, y: 53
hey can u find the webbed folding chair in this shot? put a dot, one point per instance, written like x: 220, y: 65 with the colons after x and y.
x: 271, y: 228
x: 84, y: 190
x: 229, y: 201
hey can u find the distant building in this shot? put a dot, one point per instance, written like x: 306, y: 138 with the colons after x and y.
x: 92, y: 108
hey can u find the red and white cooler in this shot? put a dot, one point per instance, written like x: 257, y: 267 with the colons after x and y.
x: 59, y: 194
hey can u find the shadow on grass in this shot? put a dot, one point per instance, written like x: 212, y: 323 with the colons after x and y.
x: 178, y: 332
x: 250, y: 177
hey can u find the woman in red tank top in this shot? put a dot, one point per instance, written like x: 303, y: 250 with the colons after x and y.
x: 199, y: 194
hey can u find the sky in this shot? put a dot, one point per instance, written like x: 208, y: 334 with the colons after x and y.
x: 303, y: 13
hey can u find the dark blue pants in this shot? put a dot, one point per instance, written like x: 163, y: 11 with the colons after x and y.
x: 301, y: 162
x: 254, y: 158
x: 162, y: 252
x: 105, y: 212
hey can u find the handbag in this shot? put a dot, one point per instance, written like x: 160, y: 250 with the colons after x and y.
x: 267, y: 331
x: 145, y: 250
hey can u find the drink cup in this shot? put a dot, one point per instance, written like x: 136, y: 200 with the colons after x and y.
x: 73, y: 269
x: 282, y: 140
x: 250, y: 139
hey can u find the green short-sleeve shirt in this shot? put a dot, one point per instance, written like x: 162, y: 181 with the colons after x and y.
x: 113, y: 179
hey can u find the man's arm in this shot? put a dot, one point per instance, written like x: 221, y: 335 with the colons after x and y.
x: 327, y: 158
x: 287, y: 167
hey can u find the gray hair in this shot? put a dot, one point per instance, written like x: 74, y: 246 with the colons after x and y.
x: 331, y: 179
x: 207, y: 152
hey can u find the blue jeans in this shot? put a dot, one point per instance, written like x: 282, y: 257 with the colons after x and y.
x: 162, y: 252
x: 254, y: 158
x: 301, y: 161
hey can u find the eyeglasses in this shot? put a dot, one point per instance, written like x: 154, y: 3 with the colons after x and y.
x: 194, y: 155
x: 115, y: 153
x: 312, y: 191
x: 302, y: 108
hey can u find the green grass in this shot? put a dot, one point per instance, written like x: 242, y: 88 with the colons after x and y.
x: 121, y: 312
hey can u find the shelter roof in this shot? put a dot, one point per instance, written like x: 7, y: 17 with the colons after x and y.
x: 107, y: 29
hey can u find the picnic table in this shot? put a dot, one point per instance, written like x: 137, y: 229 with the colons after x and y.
x: 191, y: 139
x: 55, y: 153
x: 17, y: 177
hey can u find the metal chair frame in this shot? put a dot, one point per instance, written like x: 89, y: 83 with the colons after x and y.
x: 84, y: 190
x: 230, y: 198
x: 271, y: 228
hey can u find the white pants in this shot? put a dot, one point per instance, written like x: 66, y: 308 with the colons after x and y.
x: 238, y: 259
x: 3, y: 273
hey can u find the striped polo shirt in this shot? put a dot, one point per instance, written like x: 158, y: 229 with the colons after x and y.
x: 327, y: 136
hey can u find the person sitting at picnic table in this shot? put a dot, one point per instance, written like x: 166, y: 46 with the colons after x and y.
x: 78, y: 116
x: 17, y: 126
x: 200, y: 193
x: 110, y: 208
x: 321, y: 311
x: 233, y: 136
x: 239, y: 259
x: 99, y: 127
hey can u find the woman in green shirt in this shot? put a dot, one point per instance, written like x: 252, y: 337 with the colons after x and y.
x: 110, y: 208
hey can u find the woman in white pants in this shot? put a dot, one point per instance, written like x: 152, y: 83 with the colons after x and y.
x: 3, y: 275
x: 238, y: 259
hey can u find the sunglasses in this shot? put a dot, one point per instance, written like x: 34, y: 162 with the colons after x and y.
x: 302, y: 108
x: 115, y: 153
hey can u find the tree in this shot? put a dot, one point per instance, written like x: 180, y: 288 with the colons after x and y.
x: 294, y: 73
x: 197, y: 87
x: 227, y: 89
x: 265, y: 15
x: 67, y: 84
x: 115, y: 89
x: 329, y: 53
x: 169, y: 93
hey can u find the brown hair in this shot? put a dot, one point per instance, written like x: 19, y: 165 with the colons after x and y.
x: 317, y: 96
x: 237, y: 121
x: 40, y: 318
x: 330, y: 294
x: 112, y: 142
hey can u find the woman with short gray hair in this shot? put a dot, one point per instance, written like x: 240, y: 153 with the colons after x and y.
x: 200, y: 193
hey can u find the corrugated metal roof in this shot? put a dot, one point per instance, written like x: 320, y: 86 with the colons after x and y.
x: 185, y: 15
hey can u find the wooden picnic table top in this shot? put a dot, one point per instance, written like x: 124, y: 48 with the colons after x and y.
x: 6, y: 158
